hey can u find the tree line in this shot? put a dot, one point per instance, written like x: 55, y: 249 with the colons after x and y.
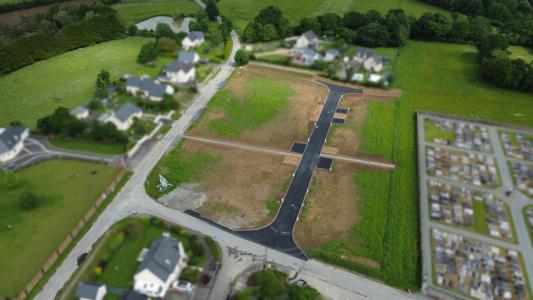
x: 8, y: 7
x: 60, y: 32
x: 513, y: 17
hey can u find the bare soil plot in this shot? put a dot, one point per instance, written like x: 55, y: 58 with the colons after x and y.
x: 240, y: 184
x: 292, y: 122
x: 330, y: 208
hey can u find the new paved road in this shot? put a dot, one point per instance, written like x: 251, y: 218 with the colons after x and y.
x: 278, y: 235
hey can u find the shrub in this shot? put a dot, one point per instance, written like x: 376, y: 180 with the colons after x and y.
x: 28, y: 201
x: 134, y: 230
x: 166, y: 44
x: 191, y: 275
x: 116, y: 241
x: 148, y: 53
x: 241, y: 58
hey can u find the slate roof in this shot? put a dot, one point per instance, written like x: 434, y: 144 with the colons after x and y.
x: 195, y: 35
x: 310, y: 35
x: 10, y: 137
x: 126, y: 111
x: 186, y: 56
x: 364, y: 52
x: 148, y: 85
x: 162, y: 257
x: 88, y: 290
x: 332, y: 51
x: 179, y: 66
x: 306, y: 52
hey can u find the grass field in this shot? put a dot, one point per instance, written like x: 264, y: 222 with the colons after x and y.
x: 265, y: 99
x: 65, y: 80
x: 243, y: 11
x: 131, y: 12
x: 68, y: 189
x: 178, y: 166
x: 88, y: 146
x: 521, y: 52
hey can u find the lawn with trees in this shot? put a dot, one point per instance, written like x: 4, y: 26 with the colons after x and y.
x: 133, y: 11
x: 65, y: 80
x: 241, y: 12
x: 39, y: 206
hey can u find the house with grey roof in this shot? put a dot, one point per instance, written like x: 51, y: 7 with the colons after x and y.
x: 308, y: 39
x: 144, y: 87
x: 91, y: 291
x: 331, y: 55
x: 370, y: 61
x: 178, y: 72
x: 304, y: 56
x: 188, y: 57
x: 161, y: 265
x: 12, y: 142
x: 123, y: 117
x: 192, y: 40
x: 80, y: 112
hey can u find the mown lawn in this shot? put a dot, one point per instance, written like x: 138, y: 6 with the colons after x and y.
x: 134, y: 11
x: 243, y: 11
x: 88, y: 146
x: 521, y: 52
x: 65, y: 80
x: 27, y: 238
x: 264, y: 100
x: 178, y: 166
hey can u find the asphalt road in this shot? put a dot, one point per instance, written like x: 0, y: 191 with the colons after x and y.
x: 279, y: 234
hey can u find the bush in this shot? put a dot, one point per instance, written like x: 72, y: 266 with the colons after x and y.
x: 191, y: 275
x: 241, y: 58
x: 28, y: 201
x: 116, y: 241
x: 134, y: 230
x: 166, y: 44
x: 148, y: 53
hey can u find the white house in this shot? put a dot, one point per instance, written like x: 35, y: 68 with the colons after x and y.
x: 161, y: 265
x: 375, y: 78
x: 145, y: 87
x: 192, y: 40
x: 331, y: 55
x: 123, y: 117
x: 91, y: 291
x: 188, y: 57
x: 304, y: 56
x: 374, y: 63
x: 80, y: 112
x: 358, y: 77
x: 308, y: 39
x: 12, y: 142
x: 180, y: 72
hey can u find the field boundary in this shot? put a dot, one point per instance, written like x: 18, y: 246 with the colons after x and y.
x: 71, y: 237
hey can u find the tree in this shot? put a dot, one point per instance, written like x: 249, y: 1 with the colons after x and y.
x: 148, y: 53
x: 307, y: 24
x: 490, y: 43
x: 241, y: 58
x: 28, y: 201
x: 132, y: 29
x: 353, y: 20
x: 432, y: 26
x: 330, y: 22
x: 64, y: 18
x: 102, y: 82
x: 269, y: 33
x: 398, y: 26
x: 372, y: 35
x: 166, y: 44
x: 211, y: 10
x: 163, y: 30
x: 134, y: 230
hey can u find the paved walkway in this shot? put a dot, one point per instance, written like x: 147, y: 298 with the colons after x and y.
x: 262, y: 149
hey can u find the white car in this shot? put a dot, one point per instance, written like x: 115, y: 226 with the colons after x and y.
x: 182, y: 286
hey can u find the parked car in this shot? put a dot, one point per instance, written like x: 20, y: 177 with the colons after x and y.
x: 301, y: 282
x: 182, y: 286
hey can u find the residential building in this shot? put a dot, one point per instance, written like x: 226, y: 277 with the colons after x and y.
x: 308, y: 39
x: 362, y: 54
x: 123, y: 117
x: 331, y: 55
x: 161, y: 265
x: 91, y: 291
x: 304, y: 56
x: 358, y: 77
x: 374, y: 63
x: 145, y: 87
x: 188, y: 57
x: 375, y: 78
x: 80, y: 112
x: 180, y: 72
x: 12, y: 142
x: 192, y: 40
